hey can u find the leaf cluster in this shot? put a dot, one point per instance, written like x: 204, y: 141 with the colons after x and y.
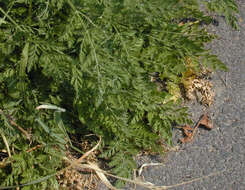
x: 95, y: 59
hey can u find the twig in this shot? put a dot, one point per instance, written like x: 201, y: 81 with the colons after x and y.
x: 6, y: 143
x: 78, y: 161
x: 28, y: 136
x: 195, y: 128
x: 89, y: 152
x: 13, y: 123
x: 146, y: 165
x: 34, y: 148
x: 145, y: 184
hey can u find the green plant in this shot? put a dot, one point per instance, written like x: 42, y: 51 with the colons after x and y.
x: 94, y: 58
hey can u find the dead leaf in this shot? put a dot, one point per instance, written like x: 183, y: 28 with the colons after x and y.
x: 188, y: 127
x: 187, y: 130
x: 186, y: 139
x: 206, y: 122
x: 190, y: 132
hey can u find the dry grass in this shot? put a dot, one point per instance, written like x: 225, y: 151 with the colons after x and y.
x: 72, y: 176
x: 75, y: 178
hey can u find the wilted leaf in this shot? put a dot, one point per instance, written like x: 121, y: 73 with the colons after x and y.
x: 189, y: 132
x: 205, y: 121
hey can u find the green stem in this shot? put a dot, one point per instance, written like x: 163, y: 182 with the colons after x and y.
x: 30, y: 13
x: 18, y: 26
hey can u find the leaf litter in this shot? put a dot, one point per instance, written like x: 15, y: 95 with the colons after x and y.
x: 81, y: 163
x: 190, y: 132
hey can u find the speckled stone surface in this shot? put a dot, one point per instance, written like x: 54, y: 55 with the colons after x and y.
x: 223, y: 148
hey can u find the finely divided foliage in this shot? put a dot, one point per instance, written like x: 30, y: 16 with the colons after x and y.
x: 94, y: 58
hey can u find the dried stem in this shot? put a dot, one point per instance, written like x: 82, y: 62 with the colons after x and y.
x: 13, y: 123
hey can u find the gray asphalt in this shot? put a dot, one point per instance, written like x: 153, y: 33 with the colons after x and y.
x: 222, y: 148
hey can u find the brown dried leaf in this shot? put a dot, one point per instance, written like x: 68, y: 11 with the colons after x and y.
x: 188, y: 131
x: 188, y: 127
x: 186, y: 139
x: 206, y: 122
